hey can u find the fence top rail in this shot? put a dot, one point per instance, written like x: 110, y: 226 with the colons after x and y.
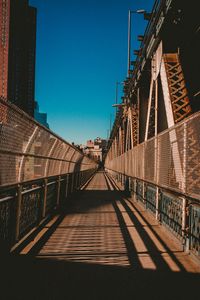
x: 6, y: 199
x: 195, y: 199
x: 38, y: 181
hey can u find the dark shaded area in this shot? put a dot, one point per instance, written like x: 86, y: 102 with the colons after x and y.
x: 30, y: 278
x: 181, y: 33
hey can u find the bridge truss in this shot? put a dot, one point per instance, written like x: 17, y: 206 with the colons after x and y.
x: 154, y: 143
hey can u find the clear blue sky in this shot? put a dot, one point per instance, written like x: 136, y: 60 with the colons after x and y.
x: 81, y: 54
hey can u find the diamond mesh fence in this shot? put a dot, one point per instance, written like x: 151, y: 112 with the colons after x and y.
x: 171, y: 159
x: 29, y: 151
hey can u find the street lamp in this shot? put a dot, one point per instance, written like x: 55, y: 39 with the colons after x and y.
x: 130, y: 12
x: 116, y: 95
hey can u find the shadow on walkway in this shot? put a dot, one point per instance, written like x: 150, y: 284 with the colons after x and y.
x: 103, y: 247
x: 32, y: 278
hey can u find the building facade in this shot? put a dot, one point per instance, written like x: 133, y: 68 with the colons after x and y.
x: 40, y: 117
x: 17, y: 53
x: 95, y: 149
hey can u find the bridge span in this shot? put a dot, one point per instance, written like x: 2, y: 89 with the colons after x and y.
x: 69, y: 230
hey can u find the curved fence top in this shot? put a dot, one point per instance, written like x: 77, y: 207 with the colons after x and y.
x: 29, y: 150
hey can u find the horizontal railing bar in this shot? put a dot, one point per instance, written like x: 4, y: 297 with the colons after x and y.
x: 6, y: 199
x: 169, y: 189
x: 31, y: 190
x: 36, y: 180
x: 51, y: 183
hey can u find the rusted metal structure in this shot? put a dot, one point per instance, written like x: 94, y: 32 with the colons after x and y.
x: 154, y: 143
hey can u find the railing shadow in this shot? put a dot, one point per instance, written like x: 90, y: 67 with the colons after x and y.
x: 32, y: 278
x: 93, y: 253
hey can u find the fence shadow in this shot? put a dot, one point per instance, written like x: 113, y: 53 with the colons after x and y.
x: 42, y: 279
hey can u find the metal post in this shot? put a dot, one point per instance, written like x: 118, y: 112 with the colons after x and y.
x: 58, y: 191
x: 67, y: 185
x: 45, y: 198
x: 18, y: 211
x: 185, y: 224
x: 72, y: 183
x: 157, y: 204
x: 129, y: 42
x: 116, y: 97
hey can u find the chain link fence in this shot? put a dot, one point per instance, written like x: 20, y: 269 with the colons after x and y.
x: 30, y: 151
x: 171, y: 159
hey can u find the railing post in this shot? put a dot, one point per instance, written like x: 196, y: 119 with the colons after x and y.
x: 72, y: 183
x: 157, y: 204
x: 58, y: 191
x: 144, y: 194
x: 18, y: 211
x: 66, y: 186
x: 185, y: 225
x: 45, y: 198
x: 185, y: 208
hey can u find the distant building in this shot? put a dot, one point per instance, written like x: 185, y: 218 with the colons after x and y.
x: 90, y: 144
x: 95, y: 148
x: 40, y: 117
x: 17, y: 53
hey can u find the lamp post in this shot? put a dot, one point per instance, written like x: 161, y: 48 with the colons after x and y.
x: 116, y: 94
x: 130, y: 12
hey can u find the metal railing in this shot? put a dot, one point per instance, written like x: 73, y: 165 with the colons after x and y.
x: 24, y: 206
x: 38, y: 172
x: 165, y: 171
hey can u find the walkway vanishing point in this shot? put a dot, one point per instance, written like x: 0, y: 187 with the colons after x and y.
x: 105, y: 246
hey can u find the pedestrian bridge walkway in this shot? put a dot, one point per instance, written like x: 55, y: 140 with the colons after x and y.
x: 104, y: 246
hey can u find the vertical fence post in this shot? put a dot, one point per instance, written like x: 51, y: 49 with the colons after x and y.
x: 18, y: 211
x: 45, y: 198
x: 72, y: 183
x: 157, y: 203
x: 185, y: 212
x: 66, y: 186
x: 58, y: 191
x: 185, y: 203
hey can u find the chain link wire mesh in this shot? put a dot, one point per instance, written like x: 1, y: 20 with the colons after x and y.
x: 171, y: 159
x: 29, y: 151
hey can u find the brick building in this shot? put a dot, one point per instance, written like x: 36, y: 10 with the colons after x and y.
x: 17, y: 53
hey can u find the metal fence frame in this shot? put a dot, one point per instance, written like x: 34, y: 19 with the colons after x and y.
x: 26, y: 205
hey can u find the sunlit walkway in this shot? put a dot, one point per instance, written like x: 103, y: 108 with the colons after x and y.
x: 103, y: 227
x: 105, y: 247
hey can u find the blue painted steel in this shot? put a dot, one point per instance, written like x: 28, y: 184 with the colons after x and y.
x: 51, y: 196
x: 171, y: 213
x: 194, y: 228
x: 31, y: 208
x: 151, y: 198
x: 139, y: 191
x: 7, y: 216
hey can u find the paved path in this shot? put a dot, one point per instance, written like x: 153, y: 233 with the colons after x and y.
x: 102, y: 227
x: 103, y: 247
